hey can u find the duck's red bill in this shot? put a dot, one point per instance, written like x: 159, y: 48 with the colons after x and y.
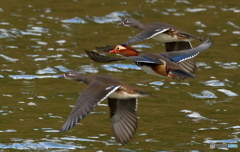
x: 112, y: 51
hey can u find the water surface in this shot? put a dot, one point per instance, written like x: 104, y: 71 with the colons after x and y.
x: 39, y: 41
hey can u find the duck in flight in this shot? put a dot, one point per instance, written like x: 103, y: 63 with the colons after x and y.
x: 157, y: 30
x: 159, y: 64
x: 174, y: 38
x: 122, y: 102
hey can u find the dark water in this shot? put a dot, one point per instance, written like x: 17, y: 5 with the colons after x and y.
x: 41, y: 40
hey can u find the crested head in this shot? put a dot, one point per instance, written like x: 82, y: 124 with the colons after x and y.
x: 124, y: 50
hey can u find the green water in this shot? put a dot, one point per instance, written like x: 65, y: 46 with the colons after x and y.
x: 40, y: 40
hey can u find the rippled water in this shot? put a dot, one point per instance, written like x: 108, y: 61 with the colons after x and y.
x: 40, y: 41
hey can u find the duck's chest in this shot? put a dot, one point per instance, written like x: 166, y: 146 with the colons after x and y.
x: 157, y: 70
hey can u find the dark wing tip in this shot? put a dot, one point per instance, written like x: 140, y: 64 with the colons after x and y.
x: 106, y: 48
x: 62, y: 130
x: 68, y: 125
x: 87, y: 52
x: 201, y: 38
x: 95, y: 56
x: 208, y: 41
x: 101, y: 58
x: 74, y: 118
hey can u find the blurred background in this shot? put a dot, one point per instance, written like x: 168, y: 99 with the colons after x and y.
x: 41, y: 40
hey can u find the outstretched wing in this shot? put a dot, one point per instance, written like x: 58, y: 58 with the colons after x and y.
x: 181, y: 74
x: 123, y: 117
x: 179, y: 56
x: 101, y: 58
x: 187, y: 65
x: 146, y: 34
x: 88, y: 100
x: 106, y: 48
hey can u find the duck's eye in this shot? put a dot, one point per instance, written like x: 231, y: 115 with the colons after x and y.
x: 67, y: 73
x: 118, y: 48
x: 125, y: 21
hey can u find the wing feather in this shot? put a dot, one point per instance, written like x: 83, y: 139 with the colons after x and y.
x: 123, y: 117
x: 88, y: 100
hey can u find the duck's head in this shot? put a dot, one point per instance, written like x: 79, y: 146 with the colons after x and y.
x: 72, y: 75
x: 124, y: 50
x: 130, y: 22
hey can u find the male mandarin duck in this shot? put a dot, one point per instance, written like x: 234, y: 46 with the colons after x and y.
x: 163, y: 64
x: 122, y: 102
x: 174, y: 38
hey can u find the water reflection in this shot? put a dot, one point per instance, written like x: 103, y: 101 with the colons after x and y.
x: 8, y: 58
x: 29, y: 77
x: 115, y: 67
x: 231, y: 65
x: 73, y: 138
x: 192, y: 114
x: 28, y: 145
x: 228, y: 92
x: 75, y: 20
x: 204, y: 94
